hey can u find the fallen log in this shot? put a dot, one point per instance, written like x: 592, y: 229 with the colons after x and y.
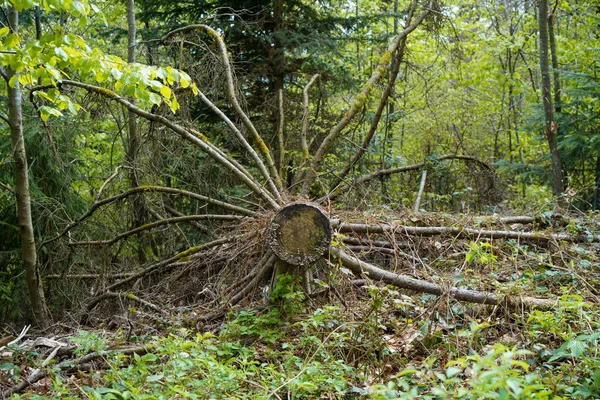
x: 462, y: 231
x: 361, y: 269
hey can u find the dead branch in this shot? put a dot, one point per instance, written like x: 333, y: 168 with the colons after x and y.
x: 150, y: 189
x: 161, y: 222
x: 358, y: 103
x: 155, y: 267
x: 71, y: 364
x: 384, y: 172
x: 262, y: 272
x: 280, y: 130
x: 244, y: 142
x: 262, y: 147
x: 7, y: 188
x: 304, y: 131
x: 420, y: 193
x: 131, y: 296
x: 464, y: 232
x: 361, y: 268
x: 88, y: 276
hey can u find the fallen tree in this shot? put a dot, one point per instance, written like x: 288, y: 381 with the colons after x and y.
x: 269, y: 230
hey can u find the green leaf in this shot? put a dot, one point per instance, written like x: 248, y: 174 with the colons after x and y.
x: 166, y: 92
x: 154, y: 378
x: 453, y: 371
x: 46, y: 112
x: 576, y: 347
x: 4, y: 31
x: 155, y: 99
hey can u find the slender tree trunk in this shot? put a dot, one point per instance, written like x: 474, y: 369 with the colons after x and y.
x: 552, y: 36
x: 23, y: 199
x: 278, y: 65
x: 551, y: 127
x: 133, y: 144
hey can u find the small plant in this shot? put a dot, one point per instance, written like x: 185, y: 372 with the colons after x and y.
x: 481, y: 253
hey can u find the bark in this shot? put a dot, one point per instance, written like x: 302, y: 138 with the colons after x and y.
x: 21, y: 189
x: 552, y: 37
x: 358, y: 103
x: 361, y: 268
x: 551, y: 127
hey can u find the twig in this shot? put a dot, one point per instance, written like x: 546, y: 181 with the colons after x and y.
x: 21, y: 335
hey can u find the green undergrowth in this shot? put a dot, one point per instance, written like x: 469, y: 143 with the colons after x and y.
x: 382, y: 344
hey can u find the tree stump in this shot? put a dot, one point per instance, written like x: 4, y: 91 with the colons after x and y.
x: 299, y: 234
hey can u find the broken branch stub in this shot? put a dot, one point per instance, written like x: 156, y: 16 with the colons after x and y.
x: 299, y: 234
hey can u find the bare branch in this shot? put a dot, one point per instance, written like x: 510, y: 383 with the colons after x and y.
x: 280, y: 128
x: 242, y: 139
x: 262, y: 147
x: 383, y: 172
x: 7, y: 188
x: 151, y: 189
x: 200, y: 141
x: 463, y: 232
x: 161, y: 222
x: 382, y: 103
x: 160, y: 265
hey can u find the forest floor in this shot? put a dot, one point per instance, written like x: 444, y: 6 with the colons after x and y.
x: 354, y: 338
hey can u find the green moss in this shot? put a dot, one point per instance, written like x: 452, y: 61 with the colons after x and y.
x: 106, y: 92
x: 360, y: 100
x: 385, y: 58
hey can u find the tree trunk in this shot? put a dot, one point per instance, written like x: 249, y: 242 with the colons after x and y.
x: 133, y: 144
x: 551, y: 127
x: 28, y: 250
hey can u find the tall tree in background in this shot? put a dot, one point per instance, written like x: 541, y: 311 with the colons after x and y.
x: 22, y: 194
x: 133, y: 145
x: 551, y: 126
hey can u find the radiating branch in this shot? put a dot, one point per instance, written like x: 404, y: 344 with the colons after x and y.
x: 262, y: 147
x: 154, y: 224
x: 200, y: 141
x: 150, y: 189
